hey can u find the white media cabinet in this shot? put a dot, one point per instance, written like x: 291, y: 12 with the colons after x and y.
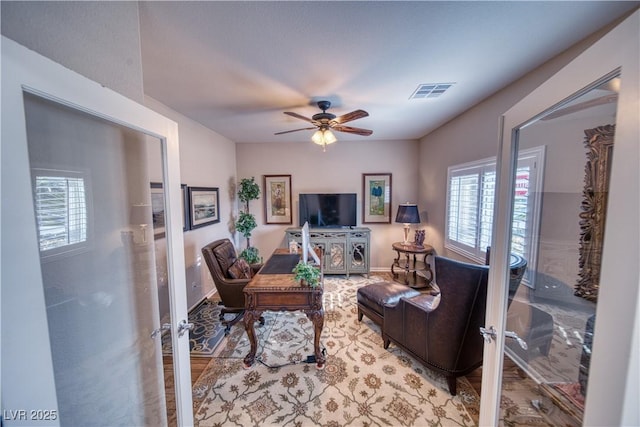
x: 346, y: 250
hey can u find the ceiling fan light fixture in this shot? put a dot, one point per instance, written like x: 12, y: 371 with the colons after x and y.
x: 326, y: 122
x: 323, y: 137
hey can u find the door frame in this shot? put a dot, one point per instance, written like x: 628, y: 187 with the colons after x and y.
x: 27, y: 376
x: 612, y: 394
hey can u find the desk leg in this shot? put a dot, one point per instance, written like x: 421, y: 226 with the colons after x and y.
x: 317, y: 317
x: 250, y: 318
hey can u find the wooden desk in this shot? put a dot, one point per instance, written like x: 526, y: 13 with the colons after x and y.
x: 417, y: 274
x: 274, y: 290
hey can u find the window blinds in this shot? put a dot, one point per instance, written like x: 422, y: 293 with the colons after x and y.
x: 61, y: 211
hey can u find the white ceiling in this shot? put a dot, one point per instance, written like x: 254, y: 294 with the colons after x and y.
x: 236, y: 66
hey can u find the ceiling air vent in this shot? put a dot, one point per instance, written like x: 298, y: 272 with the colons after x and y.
x: 430, y: 90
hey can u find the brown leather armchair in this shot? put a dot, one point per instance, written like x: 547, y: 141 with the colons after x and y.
x: 221, y: 258
x: 441, y: 330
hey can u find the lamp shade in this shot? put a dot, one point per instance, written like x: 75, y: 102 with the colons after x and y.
x: 323, y: 137
x: 140, y: 214
x: 408, y: 214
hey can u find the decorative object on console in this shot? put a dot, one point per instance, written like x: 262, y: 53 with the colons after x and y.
x: 141, y: 216
x: 204, y: 206
x: 277, y: 200
x: 325, y: 122
x: 407, y: 214
x: 376, y: 198
x: 419, y: 239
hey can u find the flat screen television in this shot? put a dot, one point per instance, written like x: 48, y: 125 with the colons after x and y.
x: 328, y: 210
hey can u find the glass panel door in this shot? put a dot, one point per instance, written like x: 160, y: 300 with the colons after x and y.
x: 92, y: 205
x: 547, y: 326
x: 552, y: 309
x: 79, y: 303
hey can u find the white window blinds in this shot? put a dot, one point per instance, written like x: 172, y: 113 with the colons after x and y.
x: 463, y: 201
x: 61, y: 210
x: 470, y: 206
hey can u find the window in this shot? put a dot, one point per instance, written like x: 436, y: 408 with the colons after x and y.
x: 470, y: 205
x: 61, y: 211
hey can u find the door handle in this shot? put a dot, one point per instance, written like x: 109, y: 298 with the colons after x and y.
x: 488, y: 334
x: 164, y: 327
x: 521, y: 342
x: 184, y: 326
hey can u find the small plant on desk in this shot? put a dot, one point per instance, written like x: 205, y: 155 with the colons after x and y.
x: 307, y: 274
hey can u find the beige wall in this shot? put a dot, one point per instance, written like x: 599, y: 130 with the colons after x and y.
x: 101, y: 41
x: 473, y: 136
x: 207, y: 159
x: 564, y: 174
x: 337, y: 170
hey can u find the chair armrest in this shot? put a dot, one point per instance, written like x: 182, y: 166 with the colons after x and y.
x: 409, y: 311
x: 234, y: 282
x: 426, y: 302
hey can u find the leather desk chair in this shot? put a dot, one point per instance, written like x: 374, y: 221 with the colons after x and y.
x: 230, y: 276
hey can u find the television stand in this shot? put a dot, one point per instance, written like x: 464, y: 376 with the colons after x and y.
x: 346, y: 250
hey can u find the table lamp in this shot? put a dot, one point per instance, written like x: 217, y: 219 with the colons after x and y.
x: 407, y: 214
x: 141, y: 215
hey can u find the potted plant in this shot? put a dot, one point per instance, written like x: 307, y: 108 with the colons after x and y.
x: 307, y: 274
x: 251, y: 255
x: 246, y: 222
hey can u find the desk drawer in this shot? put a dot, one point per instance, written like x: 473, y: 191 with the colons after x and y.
x: 279, y: 300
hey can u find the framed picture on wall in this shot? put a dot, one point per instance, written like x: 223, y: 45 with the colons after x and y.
x: 277, y: 199
x: 376, y: 198
x: 157, y: 209
x: 204, y: 206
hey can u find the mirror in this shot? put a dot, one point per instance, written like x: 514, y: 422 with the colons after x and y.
x: 597, y: 171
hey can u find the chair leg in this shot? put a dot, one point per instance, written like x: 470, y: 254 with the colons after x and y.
x: 229, y: 323
x: 451, y: 381
x: 545, y: 348
x: 360, y: 314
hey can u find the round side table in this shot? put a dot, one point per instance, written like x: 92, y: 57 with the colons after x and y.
x: 417, y: 273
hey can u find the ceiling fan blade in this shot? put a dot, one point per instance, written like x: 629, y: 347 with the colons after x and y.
x: 349, y: 129
x: 354, y: 115
x: 295, y: 130
x: 607, y: 99
x: 298, y: 116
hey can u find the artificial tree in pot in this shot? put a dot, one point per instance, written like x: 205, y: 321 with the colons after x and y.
x: 248, y: 190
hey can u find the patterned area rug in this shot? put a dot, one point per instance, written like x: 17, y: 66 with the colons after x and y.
x: 556, y: 401
x: 563, y: 363
x: 362, y: 383
x: 207, y: 330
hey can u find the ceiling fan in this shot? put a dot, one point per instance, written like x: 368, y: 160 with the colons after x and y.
x: 326, y: 122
